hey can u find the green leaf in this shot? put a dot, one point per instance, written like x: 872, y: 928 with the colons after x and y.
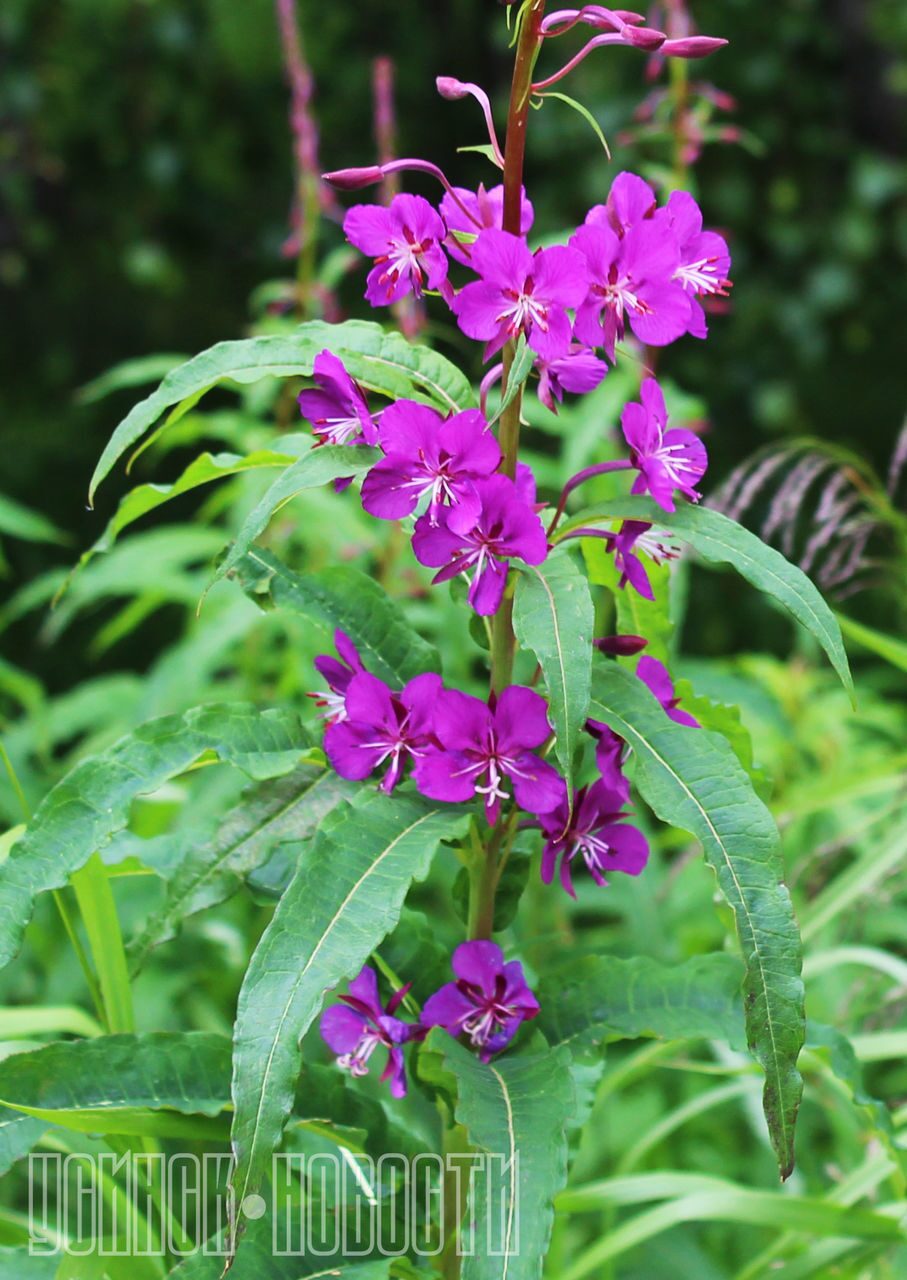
x: 87, y: 807
x: 18, y: 521
x: 720, y: 1202
x: 24, y: 1264
x: 723, y: 541
x: 520, y: 369
x: 635, y: 615
x: 553, y: 616
x: 893, y: 650
x: 219, y: 857
x: 383, y: 362
x: 128, y: 374
x: 581, y: 110
x: 347, y: 598
x: 692, y: 779
x: 207, y: 468
x: 599, y: 998
x: 113, y: 1084
x: 516, y: 1109
x: 344, y: 899
x: 19, y: 1134
x: 329, y: 462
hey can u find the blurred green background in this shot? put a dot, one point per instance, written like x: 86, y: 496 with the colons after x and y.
x: 146, y: 177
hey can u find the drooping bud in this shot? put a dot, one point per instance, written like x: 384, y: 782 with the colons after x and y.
x: 451, y: 89
x: 692, y: 47
x: 354, y: 179
x: 645, y: 38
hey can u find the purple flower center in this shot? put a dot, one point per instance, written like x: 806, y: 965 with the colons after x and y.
x: 403, y: 256
x: 356, y: 1062
x: 523, y: 310
x: 491, y: 1012
x: 619, y: 296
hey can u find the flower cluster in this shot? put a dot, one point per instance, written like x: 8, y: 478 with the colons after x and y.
x: 632, y: 265
x: 634, y: 271
x: 487, y: 1002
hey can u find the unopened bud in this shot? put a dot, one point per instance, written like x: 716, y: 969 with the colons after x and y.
x: 692, y: 47
x: 451, y: 89
x: 621, y: 646
x: 646, y: 38
x: 353, y: 179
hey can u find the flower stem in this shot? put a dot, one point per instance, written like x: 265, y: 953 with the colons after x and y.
x: 528, y: 45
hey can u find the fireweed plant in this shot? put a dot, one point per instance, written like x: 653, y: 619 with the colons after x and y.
x: 542, y: 777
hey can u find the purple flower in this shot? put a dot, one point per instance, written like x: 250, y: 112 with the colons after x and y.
x: 337, y: 409
x: 481, y: 545
x: 704, y: 257
x: 426, y: 453
x: 520, y: 292
x: 594, y: 830
x: 666, y: 459
x: 630, y: 201
x: 487, y: 208
x: 382, y: 725
x: 338, y: 672
x: 630, y: 281
x: 405, y: 240
x: 655, y: 677
x: 631, y: 535
x: 482, y: 745
x: 355, y: 1028
x: 610, y: 753
x: 487, y: 1002
x: 579, y: 371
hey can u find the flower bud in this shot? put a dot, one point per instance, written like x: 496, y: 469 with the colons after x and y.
x: 621, y: 646
x: 692, y: 47
x: 353, y: 179
x: 645, y: 38
x: 450, y: 88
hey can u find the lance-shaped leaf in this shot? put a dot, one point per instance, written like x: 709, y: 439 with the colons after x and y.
x: 722, y: 541
x: 317, y: 467
x: 346, y: 896
x: 520, y: 369
x: 19, y: 1134
x: 207, y: 468
x: 515, y: 1110
x: 87, y: 807
x: 383, y: 362
x: 343, y: 597
x: 553, y: 616
x: 692, y: 779
x: 599, y: 998
x: 119, y: 1084
x: 217, y: 859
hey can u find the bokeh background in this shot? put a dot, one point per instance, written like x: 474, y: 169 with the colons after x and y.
x: 146, y: 179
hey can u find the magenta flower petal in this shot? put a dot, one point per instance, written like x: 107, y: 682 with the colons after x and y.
x: 521, y: 718
x: 341, y: 1028
x: 667, y: 460
x: 487, y: 208
x: 656, y: 677
x: 478, y: 962
x: 520, y: 293
x: 337, y: 407
x: 488, y: 1001
x: 405, y: 241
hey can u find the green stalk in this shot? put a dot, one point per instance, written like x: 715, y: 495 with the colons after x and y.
x: 58, y: 896
x: 484, y: 870
x: 105, y: 939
